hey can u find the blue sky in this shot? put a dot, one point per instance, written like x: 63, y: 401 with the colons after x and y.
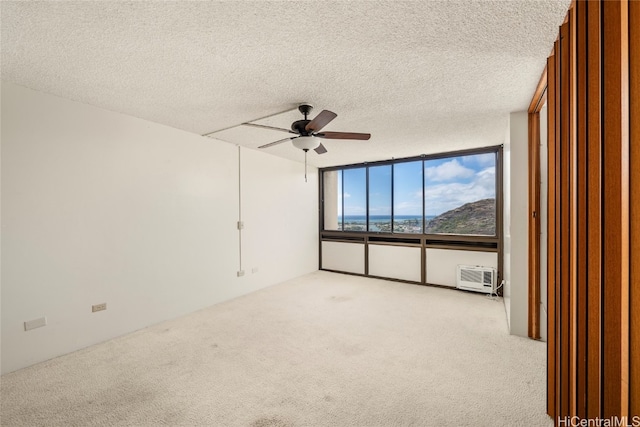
x: 449, y: 183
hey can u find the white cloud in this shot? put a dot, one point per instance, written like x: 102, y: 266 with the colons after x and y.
x: 444, y: 197
x: 346, y: 195
x: 487, y: 159
x: 447, y: 171
x: 408, y: 208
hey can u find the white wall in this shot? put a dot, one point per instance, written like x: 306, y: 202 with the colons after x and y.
x: 404, y: 263
x: 516, y: 216
x: 395, y: 262
x: 280, y: 216
x: 340, y: 256
x: 442, y: 264
x: 102, y: 207
x: 506, y: 222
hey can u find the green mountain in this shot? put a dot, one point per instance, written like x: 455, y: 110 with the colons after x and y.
x: 472, y: 218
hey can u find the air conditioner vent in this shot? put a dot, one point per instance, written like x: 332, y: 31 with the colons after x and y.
x: 487, y: 278
x: 476, y: 278
x: 467, y: 275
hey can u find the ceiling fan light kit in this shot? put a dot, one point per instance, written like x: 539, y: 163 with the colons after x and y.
x: 306, y: 143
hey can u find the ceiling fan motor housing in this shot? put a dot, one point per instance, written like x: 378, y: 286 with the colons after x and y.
x: 299, y: 127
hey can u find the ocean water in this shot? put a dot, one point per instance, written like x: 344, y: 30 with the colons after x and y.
x: 381, y: 218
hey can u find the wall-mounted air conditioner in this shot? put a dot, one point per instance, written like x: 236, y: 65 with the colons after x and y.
x: 476, y: 278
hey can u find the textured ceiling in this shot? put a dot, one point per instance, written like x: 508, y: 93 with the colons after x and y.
x: 420, y: 76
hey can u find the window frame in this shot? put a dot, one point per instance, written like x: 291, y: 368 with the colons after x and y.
x: 450, y: 241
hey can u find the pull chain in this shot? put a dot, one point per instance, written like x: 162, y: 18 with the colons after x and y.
x: 305, y: 165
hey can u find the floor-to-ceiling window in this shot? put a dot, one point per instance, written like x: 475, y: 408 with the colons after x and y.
x: 432, y: 203
x: 449, y: 194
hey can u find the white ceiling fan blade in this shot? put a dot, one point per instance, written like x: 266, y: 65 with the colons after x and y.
x: 280, y: 141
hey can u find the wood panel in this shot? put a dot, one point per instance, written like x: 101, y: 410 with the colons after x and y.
x: 558, y: 240
x: 534, y: 226
x: 580, y: 214
x: 540, y: 95
x: 594, y: 209
x: 594, y: 213
x: 634, y: 209
x: 564, y: 221
x: 537, y: 102
x: 571, y: 235
x: 551, y: 238
x: 615, y: 280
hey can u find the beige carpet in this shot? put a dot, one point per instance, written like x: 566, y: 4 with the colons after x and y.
x: 321, y: 350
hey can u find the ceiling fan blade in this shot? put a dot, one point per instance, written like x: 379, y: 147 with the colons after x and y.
x: 344, y: 135
x: 280, y: 141
x: 268, y: 127
x: 320, y: 121
x: 320, y: 149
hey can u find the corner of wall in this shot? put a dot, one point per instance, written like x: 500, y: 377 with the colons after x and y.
x: 516, y: 224
x: 506, y: 218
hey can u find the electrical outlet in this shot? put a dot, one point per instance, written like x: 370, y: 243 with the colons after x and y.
x: 240, y: 273
x: 98, y: 307
x: 35, y: 323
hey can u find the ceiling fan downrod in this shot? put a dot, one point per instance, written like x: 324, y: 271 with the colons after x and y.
x: 305, y: 108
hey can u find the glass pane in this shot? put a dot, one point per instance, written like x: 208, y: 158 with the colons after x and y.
x: 332, y: 184
x: 407, y: 197
x: 354, y: 199
x: 460, y: 195
x: 380, y: 198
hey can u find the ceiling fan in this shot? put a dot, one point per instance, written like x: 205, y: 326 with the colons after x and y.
x: 307, y: 132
